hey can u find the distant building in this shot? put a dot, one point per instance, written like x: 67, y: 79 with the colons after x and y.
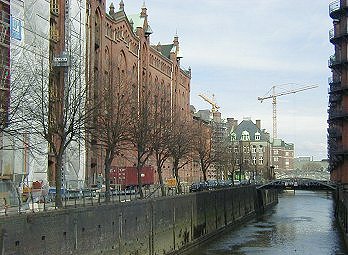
x: 204, y: 115
x: 251, y: 149
x: 308, y: 164
x: 282, y: 155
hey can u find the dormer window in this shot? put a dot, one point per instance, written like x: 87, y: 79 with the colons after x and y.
x: 245, y: 136
x: 257, y: 136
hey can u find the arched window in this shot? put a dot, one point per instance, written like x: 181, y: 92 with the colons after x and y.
x: 245, y: 136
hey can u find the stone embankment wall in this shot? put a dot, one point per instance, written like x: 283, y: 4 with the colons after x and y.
x: 341, y: 210
x: 167, y: 225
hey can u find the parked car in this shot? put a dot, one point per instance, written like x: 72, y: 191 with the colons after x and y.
x: 236, y: 182
x: 198, y: 186
x: 212, y: 184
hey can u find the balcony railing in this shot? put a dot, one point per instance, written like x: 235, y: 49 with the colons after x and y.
x: 337, y: 114
x: 335, y: 33
x: 333, y: 98
x: 334, y: 132
x: 339, y: 150
x: 332, y: 80
x: 334, y: 6
x: 336, y: 60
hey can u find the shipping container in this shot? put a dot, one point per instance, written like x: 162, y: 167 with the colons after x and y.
x: 128, y: 176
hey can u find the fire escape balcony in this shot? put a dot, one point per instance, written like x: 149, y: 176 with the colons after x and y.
x: 334, y: 132
x: 335, y: 61
x: 336, y: 33
x: 334, y: 98
x: 337, y: 8
x: 337, y: 114
x: 335, y: 85
x: 339, y: 150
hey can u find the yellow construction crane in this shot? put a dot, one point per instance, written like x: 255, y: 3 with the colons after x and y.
x: 274, y: 96
x: 211, y: 101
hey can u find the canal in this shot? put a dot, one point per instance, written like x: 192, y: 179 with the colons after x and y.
x: 300, y: 224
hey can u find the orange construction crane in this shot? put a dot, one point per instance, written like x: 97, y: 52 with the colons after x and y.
x: 274, y: 96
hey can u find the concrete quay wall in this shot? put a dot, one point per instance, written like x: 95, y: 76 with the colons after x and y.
x: 167, y: 225
x: 341, y: 210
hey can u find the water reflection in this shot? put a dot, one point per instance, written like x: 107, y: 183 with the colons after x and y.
x: 300, y: 224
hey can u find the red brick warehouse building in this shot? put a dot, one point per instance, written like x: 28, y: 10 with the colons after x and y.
x: 4, y: 62
x: 118, y: 46
x: 338, y: 97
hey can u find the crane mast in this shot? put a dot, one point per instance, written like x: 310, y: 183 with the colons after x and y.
x: 274, y: 96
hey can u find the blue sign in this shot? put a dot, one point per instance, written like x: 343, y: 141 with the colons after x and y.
x: 16, y: 28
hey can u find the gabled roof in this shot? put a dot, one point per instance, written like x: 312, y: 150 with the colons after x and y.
x: 166, y: 49
x: 248, y: 125
x: 137, y: 21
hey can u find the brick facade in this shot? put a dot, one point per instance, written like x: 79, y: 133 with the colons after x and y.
x: 338, y: 99
x: 4, y: 62
x: 119, y: 49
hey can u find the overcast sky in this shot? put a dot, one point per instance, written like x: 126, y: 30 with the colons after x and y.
x: 239, y: 49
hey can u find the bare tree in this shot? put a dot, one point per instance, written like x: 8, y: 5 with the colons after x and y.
x: 181, y: 145
x: 161, y: 133
x: 141, y: 132
x: 112, y: 124
x: 203, y: 146
x: 55, y: 113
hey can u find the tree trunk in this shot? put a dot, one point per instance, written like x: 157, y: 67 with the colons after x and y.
x: 160, y: 178
x: 107, y: 165
x: 140, y: 185
x: 204, y: 175
x: 58, y: 181
x: 176, y: 175
x: 204, y: 171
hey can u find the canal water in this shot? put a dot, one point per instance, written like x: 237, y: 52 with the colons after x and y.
x: 300, y: 224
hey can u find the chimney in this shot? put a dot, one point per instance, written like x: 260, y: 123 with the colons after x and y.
x: 230, y: 123
x: 258, y: 124
x: 235, y: 124
x: 217, y: 117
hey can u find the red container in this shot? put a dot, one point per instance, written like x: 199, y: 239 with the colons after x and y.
x: 128, y: 176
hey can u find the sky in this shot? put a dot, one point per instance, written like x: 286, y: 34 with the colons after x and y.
x: 238, y: 50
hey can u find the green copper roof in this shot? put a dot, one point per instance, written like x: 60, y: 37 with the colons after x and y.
x: 137, y: 20
x: 167, y: 49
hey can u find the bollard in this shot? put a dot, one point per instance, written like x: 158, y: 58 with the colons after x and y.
x: 44, y: 203
x: 91, y: 197
x: 5, y: 206
x: 99, y: 199
x: 83, y: 199
x: 75, y: 201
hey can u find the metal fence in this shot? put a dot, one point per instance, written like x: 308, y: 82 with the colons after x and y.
x: 35, y: 203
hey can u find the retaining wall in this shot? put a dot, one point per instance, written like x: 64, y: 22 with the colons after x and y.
x: 165, y: 225
x: 341, y: 210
